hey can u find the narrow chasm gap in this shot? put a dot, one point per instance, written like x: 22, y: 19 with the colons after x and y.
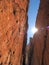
x: 32, y: 14
x: 24, y: 49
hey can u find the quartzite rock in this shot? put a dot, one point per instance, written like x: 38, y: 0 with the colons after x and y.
x: 13, y: 27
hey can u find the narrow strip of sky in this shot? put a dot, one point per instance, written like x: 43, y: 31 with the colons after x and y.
x: 32, y: 13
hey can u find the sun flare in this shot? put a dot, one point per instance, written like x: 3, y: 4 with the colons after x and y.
x: 34, y: 30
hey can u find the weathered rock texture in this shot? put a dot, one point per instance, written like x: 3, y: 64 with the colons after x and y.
x: 13, y: 31
x: 40, y: 41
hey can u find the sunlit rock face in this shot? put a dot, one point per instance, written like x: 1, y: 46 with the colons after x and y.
x: 13, y: 31
x: 40, y: 41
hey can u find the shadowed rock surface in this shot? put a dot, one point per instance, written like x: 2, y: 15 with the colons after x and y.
x: 40, y: 42
x: 30, y: 51
x: 43, y: 14
x: 13, y: 31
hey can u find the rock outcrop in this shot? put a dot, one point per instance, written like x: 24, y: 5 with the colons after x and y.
x: 40, y: 40
x: 13, y: 31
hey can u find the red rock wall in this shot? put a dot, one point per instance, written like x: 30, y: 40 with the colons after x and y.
x: 43, y: 14
x: 41, y: 48
x: 13, y: 27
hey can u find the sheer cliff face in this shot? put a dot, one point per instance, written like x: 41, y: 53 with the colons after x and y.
x: 40, y: 43
x: 13, y: 27
x: 43, y: 14
x: 40, y: 54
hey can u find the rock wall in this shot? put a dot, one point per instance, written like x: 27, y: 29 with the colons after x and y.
x: 13, y: 31
x: 40, y: 41
x: 43, y: 14
x: 40, y: 54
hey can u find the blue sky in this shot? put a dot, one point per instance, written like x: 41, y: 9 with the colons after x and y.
x: 32, y: 13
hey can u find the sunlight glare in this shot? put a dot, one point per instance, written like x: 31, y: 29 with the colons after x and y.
x: 34, y: 30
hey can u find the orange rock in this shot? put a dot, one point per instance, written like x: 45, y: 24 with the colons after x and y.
x: 13, y: 18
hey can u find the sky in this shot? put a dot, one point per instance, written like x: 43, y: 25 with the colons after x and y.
x: 32, y: 14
